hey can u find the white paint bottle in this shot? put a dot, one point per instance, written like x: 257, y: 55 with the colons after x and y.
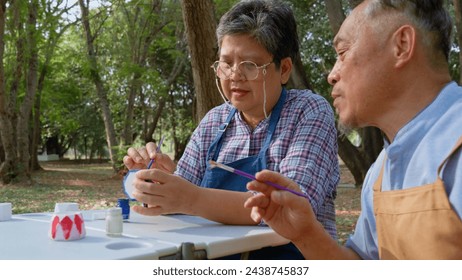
x: 114, y: 222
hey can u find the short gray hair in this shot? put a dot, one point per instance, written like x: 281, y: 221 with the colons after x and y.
x: 428, y: 16
x: 270, y: 22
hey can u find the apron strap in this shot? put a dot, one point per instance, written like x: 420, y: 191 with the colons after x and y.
x: 215, y: 146
x: 378, y: 182
x: 456, y: 147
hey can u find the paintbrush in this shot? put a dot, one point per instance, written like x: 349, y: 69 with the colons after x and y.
x: 157, y: 151
x: 152, y: 160
x: 214, y: 164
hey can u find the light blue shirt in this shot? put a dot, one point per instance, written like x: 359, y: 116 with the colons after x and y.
x: 413, y: 159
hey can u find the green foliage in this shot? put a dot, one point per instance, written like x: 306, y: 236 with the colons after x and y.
x: 70, y: 110
x: 70, y: 106
x: 316, y: 37
x: 454, y: 63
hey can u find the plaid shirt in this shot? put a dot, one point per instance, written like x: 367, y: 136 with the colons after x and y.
x: 303, y: 148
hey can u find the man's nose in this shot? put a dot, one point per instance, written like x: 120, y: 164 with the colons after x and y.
x: 333, y: 76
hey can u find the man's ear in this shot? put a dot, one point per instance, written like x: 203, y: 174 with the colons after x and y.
x: 404, y: 40
x: 286, y: 69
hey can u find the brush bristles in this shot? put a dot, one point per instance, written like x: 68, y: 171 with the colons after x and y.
x: 214, y: 164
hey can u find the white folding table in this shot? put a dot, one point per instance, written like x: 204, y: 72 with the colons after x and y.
x: 25, y: 236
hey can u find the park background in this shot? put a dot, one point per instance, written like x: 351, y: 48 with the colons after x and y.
x: 81, y: 81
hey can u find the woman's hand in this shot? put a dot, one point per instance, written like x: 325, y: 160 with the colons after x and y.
x: 140, y: 158
x: 163, y: 193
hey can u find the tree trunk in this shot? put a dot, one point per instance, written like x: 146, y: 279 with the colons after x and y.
x: 49, y: 51
x: 298, y: 78
x: 372, y: 144
x: 100, y: 90
x: 335, y: 14
x: 24, y: 118
x: 200, y: 27
x: 36, y: 131
x: 177, y: 69
x: 349, y: 155
x: 458, y: 13
x: 132, y: 93
x: 7, y: 167
x: 151, y: 128
x: 143, y: 31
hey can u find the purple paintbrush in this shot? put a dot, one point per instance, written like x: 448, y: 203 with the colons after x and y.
x: 152, y: 160
x: 157, y: 150
x: 251, y: 177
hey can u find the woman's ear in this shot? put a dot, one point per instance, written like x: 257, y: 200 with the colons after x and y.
x: 404, y: 40
x: 286, y: 69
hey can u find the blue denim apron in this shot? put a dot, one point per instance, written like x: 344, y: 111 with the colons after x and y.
x: 222, y: 179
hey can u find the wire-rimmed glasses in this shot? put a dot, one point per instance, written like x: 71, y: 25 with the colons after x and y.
x: 248, y: 69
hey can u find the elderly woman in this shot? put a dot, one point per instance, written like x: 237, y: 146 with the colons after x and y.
x: 261, y: 125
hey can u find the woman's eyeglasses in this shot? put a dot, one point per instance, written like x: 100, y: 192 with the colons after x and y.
x: 248, y: 69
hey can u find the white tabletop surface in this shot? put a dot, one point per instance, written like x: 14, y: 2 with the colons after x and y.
x: 25, y: 236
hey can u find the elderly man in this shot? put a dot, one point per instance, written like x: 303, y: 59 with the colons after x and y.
x: 391, y: 73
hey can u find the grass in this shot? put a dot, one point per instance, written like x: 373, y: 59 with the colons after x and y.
x: 95, y: 186
x: 347, y: 208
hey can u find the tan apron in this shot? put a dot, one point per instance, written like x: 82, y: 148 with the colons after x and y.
x: 417, y: 223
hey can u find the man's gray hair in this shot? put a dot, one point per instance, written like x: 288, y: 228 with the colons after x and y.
x: 428, y: 16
